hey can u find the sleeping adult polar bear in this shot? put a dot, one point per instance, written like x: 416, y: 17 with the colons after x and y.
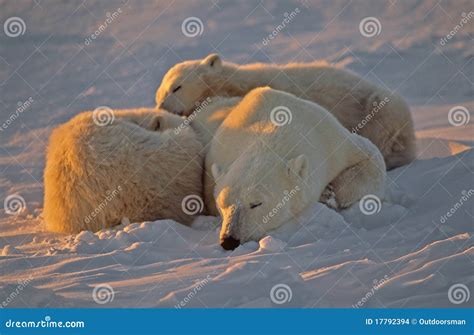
x: 106, y: 166
x: 363, y: 108
x: 257, y: 159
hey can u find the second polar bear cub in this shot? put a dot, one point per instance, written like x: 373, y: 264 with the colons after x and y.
x: 362, y: 107
x: 270, y: 160
x: 104, y: 167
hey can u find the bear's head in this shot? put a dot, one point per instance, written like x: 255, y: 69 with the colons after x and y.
x: 256, y: 196
x: 184, y: 86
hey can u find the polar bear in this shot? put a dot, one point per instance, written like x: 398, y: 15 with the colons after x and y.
x: 257, y: 160
x: 134, y: 166
x: 205, y: 120
x: 363, y: 108
x: 208, y: 116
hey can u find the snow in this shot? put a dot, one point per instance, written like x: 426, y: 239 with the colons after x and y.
x: 407, y: 254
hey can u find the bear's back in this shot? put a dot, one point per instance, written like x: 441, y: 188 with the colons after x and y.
x: 271, y: 122
x: 283, y: 119
x: 86, y: 161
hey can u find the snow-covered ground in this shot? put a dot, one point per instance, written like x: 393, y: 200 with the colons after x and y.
x: 409, y: 254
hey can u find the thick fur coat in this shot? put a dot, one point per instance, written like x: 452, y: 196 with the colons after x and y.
x: 362, y: 107
x: 133, y: 167
x: 257, y: 158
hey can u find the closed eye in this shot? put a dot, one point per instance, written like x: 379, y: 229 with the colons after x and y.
x: 255, y: 205
x: 176, y: 89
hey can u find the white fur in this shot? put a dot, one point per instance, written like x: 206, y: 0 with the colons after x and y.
x: 209, y: 115
x: 97, y: 176
x: 352, y: 100
x: 256, y: 163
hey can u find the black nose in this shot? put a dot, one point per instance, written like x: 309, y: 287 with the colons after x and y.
x: 230, y: 243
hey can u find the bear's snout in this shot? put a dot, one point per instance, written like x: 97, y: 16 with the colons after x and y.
x: 229, y: 243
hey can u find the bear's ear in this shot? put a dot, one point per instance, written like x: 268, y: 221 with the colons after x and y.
x: 213, y: 61
x: 216, y: 171
x: 298, y: 166
x: 156, y: 123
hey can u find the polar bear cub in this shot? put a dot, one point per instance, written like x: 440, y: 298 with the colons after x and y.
x: 134, y: 166
x: 363, y: 108
x: 273, y: 144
